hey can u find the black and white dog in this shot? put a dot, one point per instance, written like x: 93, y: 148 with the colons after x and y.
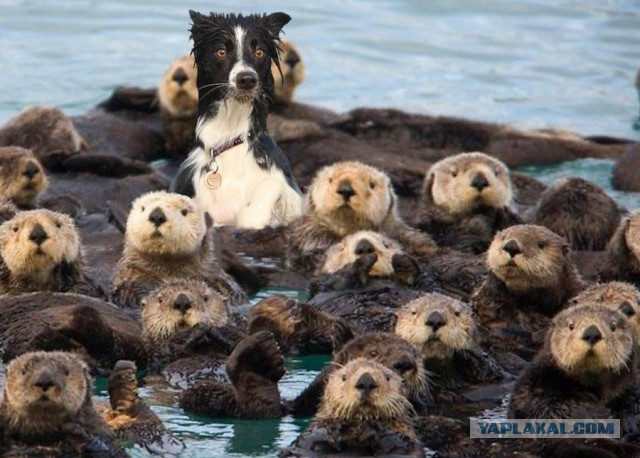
x: 237, y: 172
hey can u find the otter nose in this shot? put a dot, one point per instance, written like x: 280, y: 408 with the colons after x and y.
x: 479, y: 181
x: 365, y: 247
x: 404, y: 364
x: 627, y: 309
x: 592, y: 335
x: 246, y: 80
x: 44, y: 382
x: 179, y: 76
x: 366, y: 383
x: 182, y: 303
x: 157, y: 217
x: 31, y: 170
x: 512, y: 248
x: 435, y: 321
x: 38, y: 235
x: 346, y: 190
x: 293, y: 58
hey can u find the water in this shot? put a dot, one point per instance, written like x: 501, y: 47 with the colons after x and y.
x: 532, y: 63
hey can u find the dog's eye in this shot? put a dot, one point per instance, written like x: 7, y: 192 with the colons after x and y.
x: 259, y: 53
x: 185, y: 212
x: 221, y: 53
x: 372, y: 184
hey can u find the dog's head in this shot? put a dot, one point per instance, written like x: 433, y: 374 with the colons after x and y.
x: 233, y: 55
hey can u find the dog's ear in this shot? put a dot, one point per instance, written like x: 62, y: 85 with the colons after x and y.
x: 196, y: 17
x: 275, y: 22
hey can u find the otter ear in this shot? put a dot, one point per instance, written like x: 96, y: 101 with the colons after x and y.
x: 208, y: 220
x: 428, y: 186
x: 275, y: 22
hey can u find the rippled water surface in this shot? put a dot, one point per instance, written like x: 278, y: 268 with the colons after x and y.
x: 546, y: 63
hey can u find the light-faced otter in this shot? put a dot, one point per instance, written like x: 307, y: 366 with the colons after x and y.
x: 46, y: 131
x: 168, y: 238
x: 363, y: 413
x: 178, y: 98
x: 387, y: 349
x: 586, y: 369
x: 298, y: 327
x: 292, y: 75
x: 579, y: 211
x: 615, y: 295
x: 344, y: 198
x: 445, y: 333
x: 188, y: 331
x: 21, y: 176
x: 466, y: 200
x: 40, y: 250
x: 622, y: 258
x: 47, y: 403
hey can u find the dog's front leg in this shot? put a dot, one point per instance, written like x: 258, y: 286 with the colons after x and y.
x: 258, y: 212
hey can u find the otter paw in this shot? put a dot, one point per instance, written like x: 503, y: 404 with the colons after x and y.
x: 258, y: 353
x: 406, y: 269
x: 123, y: 386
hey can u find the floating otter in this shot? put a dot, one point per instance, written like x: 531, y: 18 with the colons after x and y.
x: 579, y: 211
x: 178, y: 98
x: 363, y: 413
x: 387, y: 349
x: 622, y: 258
x: 40, y: 250
x: 47, y: 403
x: 344, y: 198
x: 586, y: 369
x: 531, y: 278
x: 46, y: 131
x: 21, y: 176
x: 466, y: 201
x: 444, y: 331
x: 168, y: 238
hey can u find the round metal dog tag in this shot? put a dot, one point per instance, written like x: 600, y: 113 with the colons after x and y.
x: 213, y: 180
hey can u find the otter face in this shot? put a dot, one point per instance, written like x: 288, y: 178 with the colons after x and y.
x: 527, y: 257
x: 292, y: 67
x: 34, y: 242
x: 178, y: 93
x: 391, y: 351
x: 615, y: 295
x: 164, y: 223
x: 181, y: 305
x: 364, y: 390
x: 632, y: 235
x: 352, y: 196
x: 350, y: 248
x: 437, y: 325
x: 21, y: 175
x: 590, y: 338
x: 460, y: 184
x: 51, y: 386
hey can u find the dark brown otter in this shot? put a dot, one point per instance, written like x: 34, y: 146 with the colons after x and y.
x: 626, y: 172
x: 622, y: 258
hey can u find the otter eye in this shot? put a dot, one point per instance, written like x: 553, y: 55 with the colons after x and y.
x: 373, y: 353
x: 205, y: 297
x: 24, y: 371
x: 541, y: 244
x: 58, y: 224
x: 330, y: 180
x: 259, y: 53
x: 571, y: 326
x: 613, y: 327
x: 457, y: 313
x: 627, y: 308
x: 221, y: 53
x: 15, y: 228
x: 66, y: 371
x: 454, y: 173
x: 388, y: 377
x: 372, y: 184
x: 414, y: 312
x: 184, y: 212
x: 344, y: 378
x: 142, y: 208
x: 496, y: 172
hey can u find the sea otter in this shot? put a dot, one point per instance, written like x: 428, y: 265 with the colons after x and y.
x: 363, y: 413
x: 21, y: 176
x: 344, y: 198
x: 622, y: 258
x: 168, y: 238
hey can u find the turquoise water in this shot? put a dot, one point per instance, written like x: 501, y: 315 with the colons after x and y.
x: 546, y: 63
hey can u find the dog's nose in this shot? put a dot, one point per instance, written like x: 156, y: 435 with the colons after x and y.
x: 512, y: 248
x: 366, y: 383
x: 404, y: 364
x: 346, y: 190
x: 592, y: 335
x: 365, y: 247
x: 38, y: 235
x: 182, y: 303
x: 44, y: 382
x: 435, y: 321
x: 31, y: 170
x: 292, y: 59
x: 246, y: 80
x: 157, y: 217
x: 180, y: 76
x: 479, y: 182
